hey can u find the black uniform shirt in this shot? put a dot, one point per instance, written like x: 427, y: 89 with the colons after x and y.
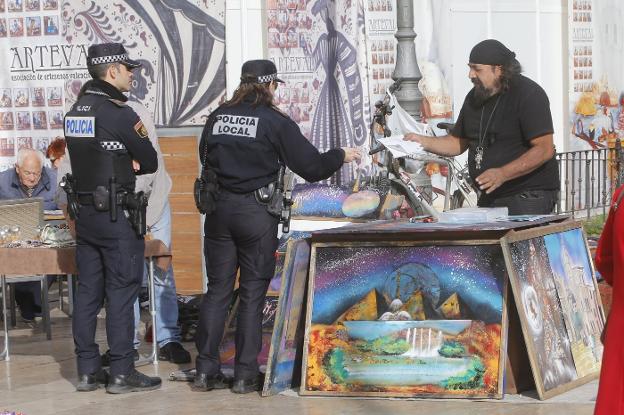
x: 522, y: 114
x: 246, y: 144
x: 115, y: 122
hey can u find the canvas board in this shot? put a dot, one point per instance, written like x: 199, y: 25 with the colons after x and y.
x: 408, y: 319
x: 284, y: 361
x: 555, y: 290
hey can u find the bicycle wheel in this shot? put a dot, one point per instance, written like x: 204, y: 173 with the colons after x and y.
x: 457, y: 200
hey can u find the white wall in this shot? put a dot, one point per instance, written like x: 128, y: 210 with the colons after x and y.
x: 245, y: 36
x: 532, y: 29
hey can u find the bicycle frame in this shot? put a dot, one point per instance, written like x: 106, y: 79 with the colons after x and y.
x: 397, y: 174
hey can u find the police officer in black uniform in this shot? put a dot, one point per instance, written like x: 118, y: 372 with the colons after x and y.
x: 108, y: 146
x: 243, y: 144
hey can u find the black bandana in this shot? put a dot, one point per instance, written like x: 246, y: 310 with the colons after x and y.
x: 491, y: 52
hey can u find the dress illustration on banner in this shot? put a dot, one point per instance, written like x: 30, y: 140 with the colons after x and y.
x: 331, y: 125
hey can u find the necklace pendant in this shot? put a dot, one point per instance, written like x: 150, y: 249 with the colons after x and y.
x: 479, y: 157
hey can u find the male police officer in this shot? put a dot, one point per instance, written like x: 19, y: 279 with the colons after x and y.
x: 107, y: 145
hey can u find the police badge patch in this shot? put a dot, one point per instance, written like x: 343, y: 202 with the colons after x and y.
x: 140, y: 129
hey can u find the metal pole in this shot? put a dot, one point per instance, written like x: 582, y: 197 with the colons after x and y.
x: 5, y: 353
x: 406, y: 70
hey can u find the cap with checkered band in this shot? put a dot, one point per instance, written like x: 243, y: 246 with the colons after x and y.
x: 109, y: 53
x: 259, y: 71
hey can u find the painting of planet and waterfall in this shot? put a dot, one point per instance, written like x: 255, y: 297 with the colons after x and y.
x: 405, y: 320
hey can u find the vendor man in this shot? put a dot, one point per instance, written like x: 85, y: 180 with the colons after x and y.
x: 506, y: 125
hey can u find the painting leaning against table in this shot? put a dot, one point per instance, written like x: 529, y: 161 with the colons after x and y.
x: 401, y: 319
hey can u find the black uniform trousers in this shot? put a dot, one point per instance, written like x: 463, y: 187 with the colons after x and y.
x: 239, y: 234
x: 109, y: 256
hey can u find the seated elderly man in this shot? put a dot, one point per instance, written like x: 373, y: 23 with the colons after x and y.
x: 30, y: 178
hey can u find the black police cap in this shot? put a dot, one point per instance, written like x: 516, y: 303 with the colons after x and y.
x: 109, y: 53
x: 491, y: 52
x: 259, y: 71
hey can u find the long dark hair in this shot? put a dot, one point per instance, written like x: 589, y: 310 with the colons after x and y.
x: 508, y: 71
x: 259, y: 94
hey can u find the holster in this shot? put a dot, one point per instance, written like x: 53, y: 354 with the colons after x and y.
x: 272, y: 197
x: 206, y: 192
x: 136, y: 204
x: 73, y: 205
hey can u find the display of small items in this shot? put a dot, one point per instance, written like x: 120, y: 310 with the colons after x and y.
x: 10, y: 234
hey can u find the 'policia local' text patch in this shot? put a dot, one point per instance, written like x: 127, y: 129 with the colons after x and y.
x: 235, y: 125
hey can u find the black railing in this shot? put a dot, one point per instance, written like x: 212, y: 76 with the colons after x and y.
x: 588, y: 179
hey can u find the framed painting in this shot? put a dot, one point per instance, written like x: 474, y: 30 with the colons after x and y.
x: 284, y: 361
x: 556, y: 294
x: 408, y: 319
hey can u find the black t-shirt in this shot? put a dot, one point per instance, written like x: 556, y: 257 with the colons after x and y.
x: 522, y: 114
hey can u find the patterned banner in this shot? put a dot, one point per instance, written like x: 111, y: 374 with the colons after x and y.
x: 43, y: 44
x: 319, y: 47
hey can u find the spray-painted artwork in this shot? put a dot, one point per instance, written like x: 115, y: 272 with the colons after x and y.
x: 405, y: 320
x: 284, y: 362
x: 554, y: 288
x: 355, y: 202
x: 227, y: 349
x: 276, y: 280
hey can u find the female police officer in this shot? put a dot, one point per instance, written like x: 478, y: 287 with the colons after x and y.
x: 243, y: 143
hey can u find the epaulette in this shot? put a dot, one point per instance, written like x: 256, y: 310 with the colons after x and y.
x: 119, y: 103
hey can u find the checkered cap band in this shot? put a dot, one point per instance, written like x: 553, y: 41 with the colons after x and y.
x: 267, y: 78
x: 109, y: 59
x: 112, y: 145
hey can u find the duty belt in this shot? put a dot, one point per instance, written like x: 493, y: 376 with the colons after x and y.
x: 87, y: 198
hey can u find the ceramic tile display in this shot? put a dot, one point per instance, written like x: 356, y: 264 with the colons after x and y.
x: 405, y: 319
x: 557, y: 298
x: 284, y: 361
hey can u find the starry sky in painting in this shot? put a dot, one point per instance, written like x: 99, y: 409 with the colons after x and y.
x: 343, y: 275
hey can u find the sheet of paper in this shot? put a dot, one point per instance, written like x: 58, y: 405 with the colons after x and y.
x: 399, y: 147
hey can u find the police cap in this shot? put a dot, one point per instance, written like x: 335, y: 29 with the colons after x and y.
x: 109, y: 53
x: 259, y: 71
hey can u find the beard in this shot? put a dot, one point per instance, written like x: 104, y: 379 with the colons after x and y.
x: 481, y: 93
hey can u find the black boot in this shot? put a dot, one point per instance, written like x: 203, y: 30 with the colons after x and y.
x: 204, y: 382
x: 135, y: 381
x: 248, y: 385
x: 90, y: 382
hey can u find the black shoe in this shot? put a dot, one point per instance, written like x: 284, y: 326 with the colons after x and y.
x: 135, y: 381
x: 105, y: 358
x: 204, y: 382
x: 174, y: 352
x: 88, y: 383
x: 248, y: 385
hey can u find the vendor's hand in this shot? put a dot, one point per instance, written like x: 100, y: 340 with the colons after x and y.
x: 136, y: 166
x: 351, y: 153
x: 491, y: 179
x: 423, y: 140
